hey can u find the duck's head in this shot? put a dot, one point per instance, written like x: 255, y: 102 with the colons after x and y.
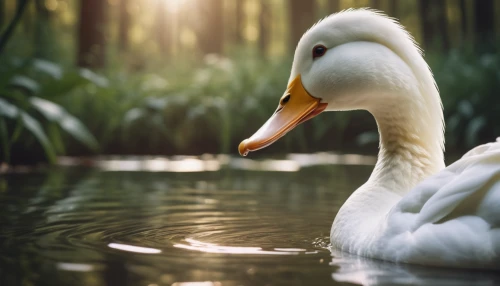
x: 357, y: 59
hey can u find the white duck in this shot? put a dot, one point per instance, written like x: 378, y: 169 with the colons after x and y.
x: 411, y: 209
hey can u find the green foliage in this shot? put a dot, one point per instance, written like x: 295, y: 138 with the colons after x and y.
x: 209, y: 108
x: 180, y: 110
x: 29, y: 119
x: 469, y: 86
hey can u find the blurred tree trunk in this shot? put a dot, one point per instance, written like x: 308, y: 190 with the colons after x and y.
x: 2, y: 14
x: 466, y: 23
x: 434, y: 24
x: 238, y: 25
x: 484, y: 29
x: 264, y: 26
x: 91, y: 34
x: 333, y: 6
x: 27, y: 22
x: 163, y: 28
x: 375, y: 4
x: 123, y: 25
x: 463, y: 16
x: 211, y: 29
x: 301, y: 18
x: 392, y: 9
x: 42, y: 35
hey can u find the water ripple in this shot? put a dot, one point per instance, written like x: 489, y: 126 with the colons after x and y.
x: 160, y: 228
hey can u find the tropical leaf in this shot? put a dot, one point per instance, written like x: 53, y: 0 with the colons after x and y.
x: 465, y: 108
x: 55, y: 137
x: 12, y: 69
x: 50, y: 110
x: 75, y: 128
x: 57, y: 87
x: 25, y: 83
x: 48, y: 68
x: 7, y: 109
x: 133, y: 115
x: 66, y: 121
x: 94, y: 78
x: 156, y: 104
x: 472, y: 131
x: 32, y: 125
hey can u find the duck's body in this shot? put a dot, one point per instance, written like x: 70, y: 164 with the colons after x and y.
x: 411, y: 209
x: 450, y: 219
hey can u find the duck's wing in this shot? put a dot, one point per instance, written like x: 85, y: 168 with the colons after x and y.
x: 470, y: 186
x: 455, y: 213
x: 478, y: 150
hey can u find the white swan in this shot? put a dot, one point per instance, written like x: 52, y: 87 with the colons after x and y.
x: 411, y: 209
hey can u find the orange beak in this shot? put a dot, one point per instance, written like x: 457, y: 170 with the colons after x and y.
x: 296, y: 106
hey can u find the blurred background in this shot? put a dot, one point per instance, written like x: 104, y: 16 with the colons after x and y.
x: 166, y: 77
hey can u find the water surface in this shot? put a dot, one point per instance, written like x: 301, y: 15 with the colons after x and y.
x: 211, y: 225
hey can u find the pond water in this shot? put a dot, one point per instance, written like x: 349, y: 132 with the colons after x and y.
x: 186, y: 225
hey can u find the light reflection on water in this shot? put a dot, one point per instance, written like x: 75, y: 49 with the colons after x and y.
x: 211, y: 163
x: 214, y: 248
x: 78, y: 267
x: 132, y: 248
x: 205, y: 283
x: 74, y: 226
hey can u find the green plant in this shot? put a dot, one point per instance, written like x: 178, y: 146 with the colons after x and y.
x: 469, y: 86
x: 206, y: 108
x: 27, y: 110
x: 210, y: 107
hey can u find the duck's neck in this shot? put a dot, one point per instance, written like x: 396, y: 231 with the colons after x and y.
x: 410, y: 150
x: 410, y: 145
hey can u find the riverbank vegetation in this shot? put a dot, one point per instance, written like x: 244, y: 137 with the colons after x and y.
x: 145, y: 80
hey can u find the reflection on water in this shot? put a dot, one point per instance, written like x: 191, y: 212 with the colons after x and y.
x: 78, y: 267
x: 74, y: 226
x: 362, y: 271
x: 206, y: 283
x: 136, y: 249
x: 214, y: 248
x: 211, y: 163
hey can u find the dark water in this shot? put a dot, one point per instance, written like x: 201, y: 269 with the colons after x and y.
x: 75, y: 226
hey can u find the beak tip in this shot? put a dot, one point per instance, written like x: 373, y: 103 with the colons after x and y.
x: 243, y: 148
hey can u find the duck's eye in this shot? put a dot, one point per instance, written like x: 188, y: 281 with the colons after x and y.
x: 285, y: 99
x: 319, y: 51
